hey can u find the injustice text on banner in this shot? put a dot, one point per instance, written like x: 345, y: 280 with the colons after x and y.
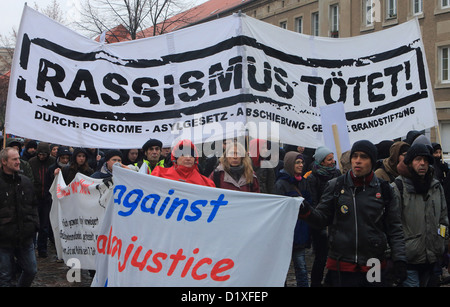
x: 161, y: 232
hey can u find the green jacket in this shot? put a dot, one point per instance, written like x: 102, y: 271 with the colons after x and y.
x: 422, y: 216
x: 139, y: 164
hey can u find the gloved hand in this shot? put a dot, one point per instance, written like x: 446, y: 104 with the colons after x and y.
x: 400, y: 272
x: 108, y: 181
x: 305, y: 208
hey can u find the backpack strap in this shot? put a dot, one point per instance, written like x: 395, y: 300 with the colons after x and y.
x: 399, y: 183
x: 386, y: 192
x: 338, y: 186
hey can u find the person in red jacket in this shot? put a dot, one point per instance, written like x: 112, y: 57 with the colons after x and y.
x: 185, y: 166
x: 235, y: 171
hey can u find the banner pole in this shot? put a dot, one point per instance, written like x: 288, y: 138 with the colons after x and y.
x: 4, y: 137
x: 440, y: 143
x: 337, y: 144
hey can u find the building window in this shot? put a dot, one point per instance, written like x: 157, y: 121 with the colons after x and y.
x: 368, y: 12
x: 417, y: 7
x: 315, y: 24
x: 391, y: 9
x: 334, y: 21
x: 444, y: 64
x: 299, y: 24
x: 283, y: 24
x: 445, y: 3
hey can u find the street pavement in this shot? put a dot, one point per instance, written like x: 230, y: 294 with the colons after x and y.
x: 54, y: 274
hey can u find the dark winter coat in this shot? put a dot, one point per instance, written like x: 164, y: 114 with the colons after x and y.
x: 287, y: 185
x: 18, y: 211
x: 360, y: 224
x: 40, y: 169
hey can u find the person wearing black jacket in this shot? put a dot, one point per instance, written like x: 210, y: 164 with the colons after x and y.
x: 18, y: 223
x: 39, y: 165
x: 323, y: 169
x: 363, y: 218
x: 291, y: 183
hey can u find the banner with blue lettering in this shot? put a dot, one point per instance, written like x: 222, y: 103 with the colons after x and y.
x: 161, y: 232
x: 214, y: 80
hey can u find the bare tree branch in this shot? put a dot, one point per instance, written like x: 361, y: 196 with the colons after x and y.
x: 135, y: 16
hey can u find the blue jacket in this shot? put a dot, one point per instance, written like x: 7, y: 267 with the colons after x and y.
x: 289, y: 186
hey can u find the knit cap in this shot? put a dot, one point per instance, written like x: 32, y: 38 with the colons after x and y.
x: 63, y: 150
x: 366, y: 147
x: 418, y: 150
x: 111, y: 153
x: 321, y: 153
x: 289, y: 161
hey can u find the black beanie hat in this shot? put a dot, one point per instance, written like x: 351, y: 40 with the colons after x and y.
x: 111, y: 153
x: 418, y: 150
x: 63, y: 150
x: 366, y: 147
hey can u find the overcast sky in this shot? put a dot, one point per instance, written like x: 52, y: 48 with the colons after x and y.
x: 11, y: 11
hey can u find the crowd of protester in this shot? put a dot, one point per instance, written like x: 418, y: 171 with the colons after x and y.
x: 386, y: 201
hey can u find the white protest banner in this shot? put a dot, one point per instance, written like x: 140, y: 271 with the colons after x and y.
x: 333, y: 116
x: 161, y: 232
x: 76, y: 216
x: 204, y: 80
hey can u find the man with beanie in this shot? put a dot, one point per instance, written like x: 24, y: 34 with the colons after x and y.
x: 152, y: 154
x: 40, y: 165
x: 424, y: 214
x: 111, y: 157
x: 62, y: 160
x: 29, y: 150
x: 363, y: 218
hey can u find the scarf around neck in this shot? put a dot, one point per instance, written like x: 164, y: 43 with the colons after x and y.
x: 325, y: 171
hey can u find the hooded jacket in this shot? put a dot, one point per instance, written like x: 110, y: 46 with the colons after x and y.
x: 40, y: 169
x: 70, y: 171
x: 388, y: 171
x: 180, y: 172
x: 288, y: 185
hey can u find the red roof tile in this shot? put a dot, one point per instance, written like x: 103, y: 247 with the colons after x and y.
x: 197, y: 14
x: 118, y: 34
